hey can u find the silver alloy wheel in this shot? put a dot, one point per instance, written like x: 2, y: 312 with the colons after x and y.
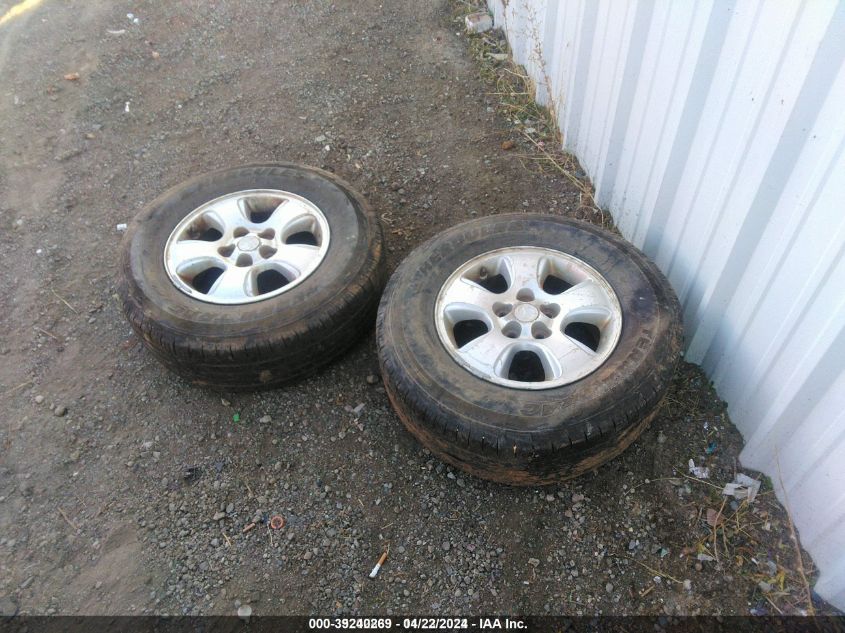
x: 246, y: 246
x: 533, y: 302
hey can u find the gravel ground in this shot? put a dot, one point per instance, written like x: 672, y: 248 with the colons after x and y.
x: 125, y: 490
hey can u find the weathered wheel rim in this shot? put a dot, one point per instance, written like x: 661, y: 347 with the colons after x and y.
x: 246, y: 246
x: 535, y: 302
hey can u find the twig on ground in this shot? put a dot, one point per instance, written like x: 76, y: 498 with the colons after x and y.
x: 716, y: 529
x: 67, y: 518
x: 701, y: 481
x: 650, y: 481
x: 773, y: 604
x: 20, y: 386
x: 63, y: 300
x: 102, y: 507
x: 655, y: 571
x: 43, y: 331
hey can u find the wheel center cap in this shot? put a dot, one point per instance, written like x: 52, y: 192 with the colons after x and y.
x: 525, y: 312
x: 248, y: 243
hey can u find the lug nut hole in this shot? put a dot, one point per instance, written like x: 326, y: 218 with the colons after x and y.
x: 525, y: 295
x: 502, y: 309
x: 540, y: 331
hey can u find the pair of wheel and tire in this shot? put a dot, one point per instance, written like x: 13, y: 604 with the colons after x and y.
x: 525, y: 349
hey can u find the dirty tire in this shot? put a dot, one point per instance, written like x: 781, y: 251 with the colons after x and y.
x: 269, y: 342
x: 518, y: 436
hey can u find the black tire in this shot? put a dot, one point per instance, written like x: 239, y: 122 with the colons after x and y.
x: 517, y: 436
x: 270, y: 342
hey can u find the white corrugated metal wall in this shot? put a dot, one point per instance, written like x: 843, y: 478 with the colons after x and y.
x: 714, y: 133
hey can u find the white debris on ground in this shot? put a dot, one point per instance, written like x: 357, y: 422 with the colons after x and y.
x: 356, y: 411
x: 479, y: 22
x: 702, y: 472
x: 743, y: 487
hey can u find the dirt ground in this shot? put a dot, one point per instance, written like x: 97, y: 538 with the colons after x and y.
x: 112, y: 469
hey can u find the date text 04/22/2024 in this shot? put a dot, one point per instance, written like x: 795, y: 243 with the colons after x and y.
x: 482, y: 624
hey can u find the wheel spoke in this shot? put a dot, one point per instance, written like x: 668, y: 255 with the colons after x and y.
x: 289, y: 212
x: 560, y: 354
x: 467, y: 292
x: 523, y: 269
x: 229, y: 213
x: 586, y: 301
x: 489, y: 351
x: 234, y: 283
x: 184, y: 252
x: 296, y: 258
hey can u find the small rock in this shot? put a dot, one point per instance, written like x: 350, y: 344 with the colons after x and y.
x: 60, y: 411
x: 661, y: 438
x: 609, y: 587
x: 266, y: 419
x: 244, y: 612
x: 445, y: 546
x: 372, y: 379
x: 506, y: 145
x: 577, y: 498
x: 218, y: 516
x: 688, y: 585
x: 534, y: 562
x: 550, y: 498
x: 39, y: 399
x: 764, y: 586
x: 320, y: 139
x: 230, y: 508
